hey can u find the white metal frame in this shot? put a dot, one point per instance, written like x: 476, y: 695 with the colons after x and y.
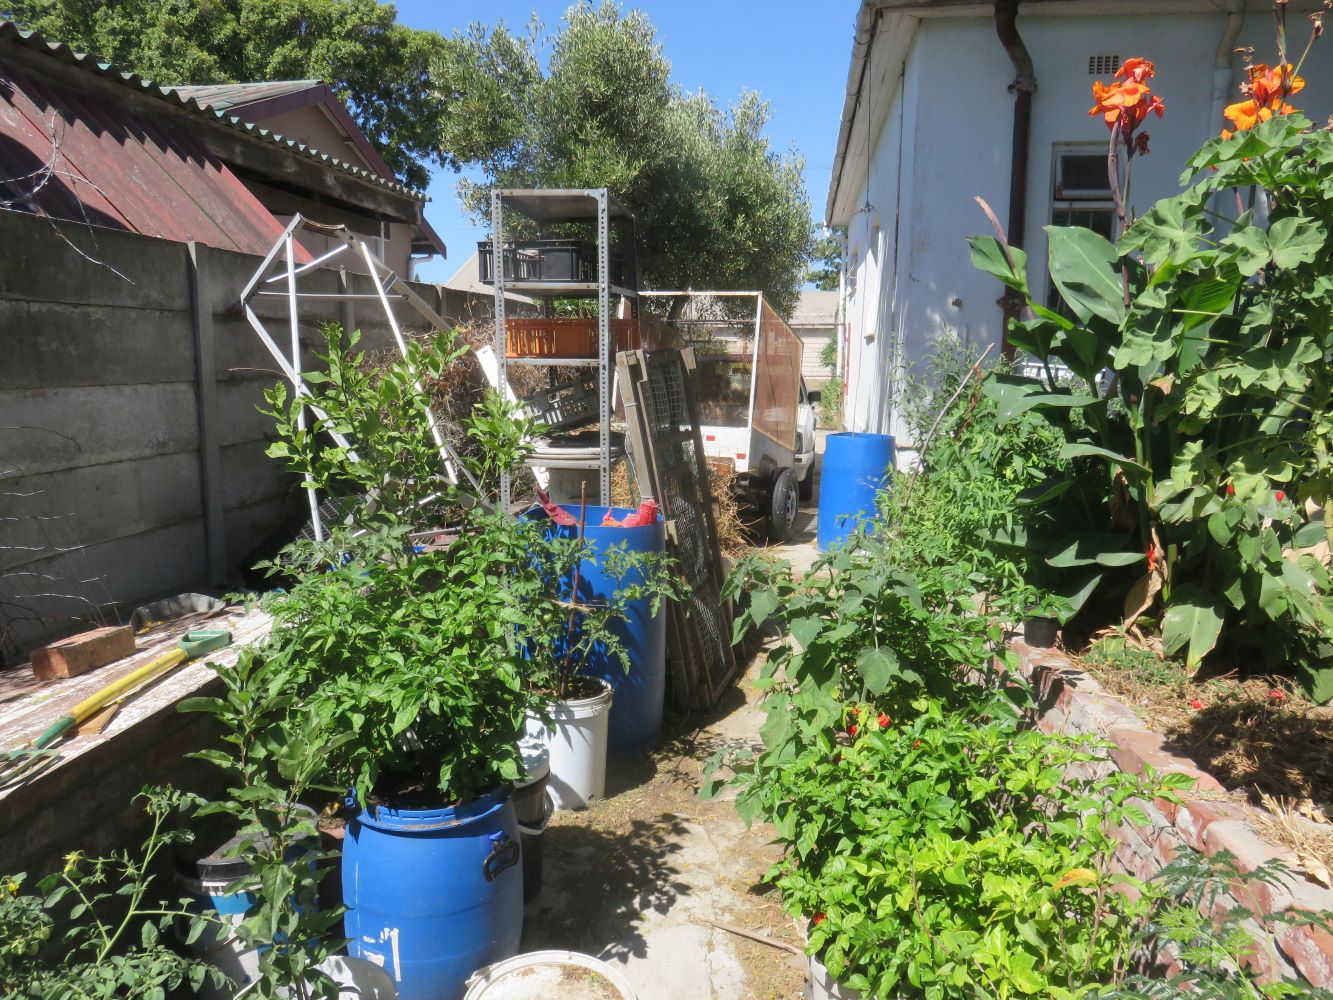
x: 384, y: 278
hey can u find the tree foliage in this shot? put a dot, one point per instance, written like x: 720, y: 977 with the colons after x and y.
x: 827, y: 259
x: 715, y: 205
x: 409, y: 91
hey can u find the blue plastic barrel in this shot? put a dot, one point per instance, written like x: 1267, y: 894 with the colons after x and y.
x: 640, y: 692
x: 855, y: 467
x: 434, y: 894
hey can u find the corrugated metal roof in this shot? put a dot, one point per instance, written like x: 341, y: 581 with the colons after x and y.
x: 33, y: 41
x: 221, y: 96
x: 68, y: 155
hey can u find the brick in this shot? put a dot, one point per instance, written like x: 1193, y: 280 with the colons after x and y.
x: 83, y: 652
x: 1310, y: 951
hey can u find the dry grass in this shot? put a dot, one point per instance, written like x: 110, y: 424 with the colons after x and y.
x: 1302, y: 828
x: 1259, y: 736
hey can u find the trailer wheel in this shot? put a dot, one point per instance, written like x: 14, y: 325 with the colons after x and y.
x: 782, y: 506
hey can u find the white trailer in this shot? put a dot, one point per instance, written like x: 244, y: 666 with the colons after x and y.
x: 754, y: 410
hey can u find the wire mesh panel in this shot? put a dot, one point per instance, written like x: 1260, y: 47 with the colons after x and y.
x: 663, y: 424
x: 777, y: 387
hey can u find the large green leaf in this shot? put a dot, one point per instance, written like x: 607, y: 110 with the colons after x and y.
x: 1104, y: 549
x: 1295, y: 240
x: 1192, y: 622
x: 1079, y: 449
x: 1084, y: 266
x: 988, y: 255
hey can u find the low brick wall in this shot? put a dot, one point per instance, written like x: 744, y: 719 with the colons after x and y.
x: 1073, y: 702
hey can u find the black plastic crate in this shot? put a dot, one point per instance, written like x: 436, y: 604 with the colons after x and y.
x: 548, y: 260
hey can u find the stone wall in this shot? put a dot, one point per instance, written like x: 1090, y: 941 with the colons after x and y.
x: 1207, y: 820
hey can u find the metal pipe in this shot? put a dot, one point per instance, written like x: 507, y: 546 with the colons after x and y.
x: 1023, y: 87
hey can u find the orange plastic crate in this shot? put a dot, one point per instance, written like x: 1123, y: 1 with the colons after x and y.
x: 566, y: 338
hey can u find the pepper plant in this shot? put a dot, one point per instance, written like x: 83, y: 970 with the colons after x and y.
x: 1199, y: 489
x: 99, y: 927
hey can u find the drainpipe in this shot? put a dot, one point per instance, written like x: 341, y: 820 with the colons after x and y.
x: 1023, y: 87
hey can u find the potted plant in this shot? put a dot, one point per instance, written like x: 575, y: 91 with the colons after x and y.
x: 402, y: 664
x: 603, y: 576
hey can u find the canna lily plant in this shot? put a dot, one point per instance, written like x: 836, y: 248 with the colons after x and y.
x: 1198, y: 499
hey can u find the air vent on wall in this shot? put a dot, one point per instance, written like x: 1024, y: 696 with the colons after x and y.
x: 1103, y: 65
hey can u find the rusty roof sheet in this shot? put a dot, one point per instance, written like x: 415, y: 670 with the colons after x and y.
x: 10, y: 32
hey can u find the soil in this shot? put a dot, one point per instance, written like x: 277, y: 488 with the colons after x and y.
x: 580, y: 687
x: 1258, y: 736
x: 548, y: 982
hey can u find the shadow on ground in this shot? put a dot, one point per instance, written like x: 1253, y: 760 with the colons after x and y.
x: 599, y: 886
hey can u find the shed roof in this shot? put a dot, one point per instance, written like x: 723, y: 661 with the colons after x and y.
x: 59, y: 53
x: 74, y: 156
x: 222, y: 96
x: 815, y: 308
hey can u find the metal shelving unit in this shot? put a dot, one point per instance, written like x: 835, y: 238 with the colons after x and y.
x: 556, y: 207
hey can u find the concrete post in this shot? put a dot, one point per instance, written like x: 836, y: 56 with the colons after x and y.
x: 210, y: 453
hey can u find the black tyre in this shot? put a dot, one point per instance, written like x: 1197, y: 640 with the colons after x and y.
x: 806, y: 489
x: 782, y: 506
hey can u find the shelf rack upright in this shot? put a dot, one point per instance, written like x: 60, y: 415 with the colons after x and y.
x: 555, y: 206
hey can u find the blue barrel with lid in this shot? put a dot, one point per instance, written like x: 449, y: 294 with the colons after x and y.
x: 854, y: 468
x: 434, y: 894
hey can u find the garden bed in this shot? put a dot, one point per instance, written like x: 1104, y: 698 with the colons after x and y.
x: 1210, y: 818
x: 1260, y: 737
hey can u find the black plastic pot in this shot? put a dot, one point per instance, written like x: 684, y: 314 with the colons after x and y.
x: 1040, y: 631
x: 547, y: 260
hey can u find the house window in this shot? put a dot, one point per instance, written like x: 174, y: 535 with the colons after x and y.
x: 1080, y: 196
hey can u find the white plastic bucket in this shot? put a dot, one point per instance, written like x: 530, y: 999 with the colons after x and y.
x: 578, y: 747
x: 540, y: 975
x: 821, y: 986
x: 357, y: 979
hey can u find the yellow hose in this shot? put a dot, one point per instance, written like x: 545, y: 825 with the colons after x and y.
x: 156, y: 666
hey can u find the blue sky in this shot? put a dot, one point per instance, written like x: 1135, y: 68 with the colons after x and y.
x: 793, y: 52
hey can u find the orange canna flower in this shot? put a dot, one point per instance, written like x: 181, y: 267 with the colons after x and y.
x: 1128, y: 101
x: 1136, y: 69
x: 1266, y: 92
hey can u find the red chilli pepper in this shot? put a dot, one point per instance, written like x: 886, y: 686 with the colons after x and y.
x: 1231, y: 490
x: 1279, y: 496
x: 916, y: 744
x: 883, y: 721
x: 1195, y: 703
x: 1277, y: 695
x: 819, y: 919
x: 851, y: 730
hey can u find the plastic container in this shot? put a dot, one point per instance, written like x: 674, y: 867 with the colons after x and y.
x: 571, y: 462
x: 533, y: 808
x: 819, y: 985
x: 640, y: 684
x: 855, y: 468
x: 577, y: 745
x: 545, y: 975
x: 566, y: 338
x: 548, y: 260
x: 206, y: 878
x: 433, y: 894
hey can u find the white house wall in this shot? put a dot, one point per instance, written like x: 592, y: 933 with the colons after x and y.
x: 950, y: 124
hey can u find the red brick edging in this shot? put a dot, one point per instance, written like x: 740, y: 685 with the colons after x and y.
x: 1071, y: 701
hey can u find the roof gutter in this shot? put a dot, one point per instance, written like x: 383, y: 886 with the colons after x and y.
x: 1023, y: 87
x: 867, y: 21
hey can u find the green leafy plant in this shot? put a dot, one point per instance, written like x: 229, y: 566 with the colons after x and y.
x: 1211, y: 942
x: 113, y: 919
x: 1199, y: 489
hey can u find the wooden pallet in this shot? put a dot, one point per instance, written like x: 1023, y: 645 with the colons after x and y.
x: 662, y: 419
